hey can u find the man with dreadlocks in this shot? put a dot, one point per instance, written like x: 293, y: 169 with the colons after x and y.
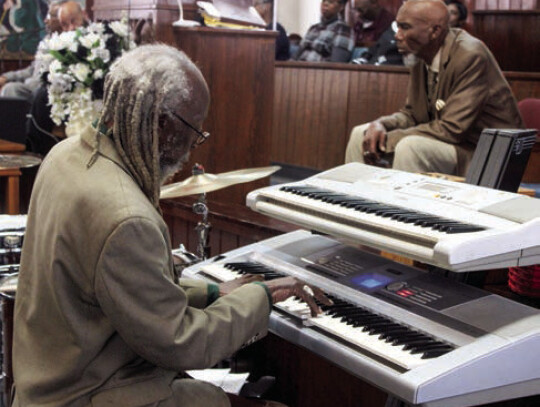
x: 101, y: 317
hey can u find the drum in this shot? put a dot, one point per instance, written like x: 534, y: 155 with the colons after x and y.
x: 8, y: 289
x: 12, y: 228
x: 10, y: 247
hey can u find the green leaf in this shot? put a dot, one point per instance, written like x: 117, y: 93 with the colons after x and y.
x: 59, y: 56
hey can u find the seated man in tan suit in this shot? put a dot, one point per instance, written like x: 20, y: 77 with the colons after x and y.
x: 102, y: 318
x: 456, y: 89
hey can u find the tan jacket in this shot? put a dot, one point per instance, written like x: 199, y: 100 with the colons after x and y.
x: 470, y: 87
x: 99, y: 318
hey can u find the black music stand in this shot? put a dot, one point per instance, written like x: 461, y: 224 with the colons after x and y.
x: 13, y: 113
x: 500, y: 158
x: 499, y: 161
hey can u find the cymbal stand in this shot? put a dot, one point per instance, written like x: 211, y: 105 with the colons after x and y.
x: 203, y: 227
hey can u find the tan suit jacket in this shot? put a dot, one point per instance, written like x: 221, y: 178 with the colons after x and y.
x: 100, y: 318
x: 472, y: 91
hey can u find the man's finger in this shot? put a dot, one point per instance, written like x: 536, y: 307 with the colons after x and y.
x: 250, y: 278
x: 310, y: 301
x: 321, y: 297
x: 307, y: 294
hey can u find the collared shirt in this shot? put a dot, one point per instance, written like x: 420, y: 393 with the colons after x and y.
x: 319, y: 42
x: 435, y: 64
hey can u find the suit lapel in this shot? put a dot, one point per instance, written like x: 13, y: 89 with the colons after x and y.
x: 449, y: 43
x: 419, y: 94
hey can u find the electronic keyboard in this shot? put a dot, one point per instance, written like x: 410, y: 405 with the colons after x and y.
x: 426, y: 339
x: 455, y: 226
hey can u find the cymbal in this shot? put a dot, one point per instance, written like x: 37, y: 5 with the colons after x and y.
x: 18, y: 161
x: 201, y: 183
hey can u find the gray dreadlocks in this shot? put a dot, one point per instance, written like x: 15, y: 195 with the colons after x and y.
x: 138, y: 89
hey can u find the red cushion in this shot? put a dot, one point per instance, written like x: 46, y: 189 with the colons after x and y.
x: 530, y: 112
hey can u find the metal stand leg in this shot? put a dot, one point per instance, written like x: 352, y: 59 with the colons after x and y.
x: 203, y: 228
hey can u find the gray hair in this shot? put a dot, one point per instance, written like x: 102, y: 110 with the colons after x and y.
x: 141, y: 86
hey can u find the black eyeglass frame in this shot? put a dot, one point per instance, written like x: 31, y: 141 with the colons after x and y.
x: 202, y: 135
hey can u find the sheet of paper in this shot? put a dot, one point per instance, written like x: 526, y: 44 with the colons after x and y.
x: 229, y: 382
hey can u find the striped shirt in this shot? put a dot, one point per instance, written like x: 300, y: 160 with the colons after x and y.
x: 323, y: 40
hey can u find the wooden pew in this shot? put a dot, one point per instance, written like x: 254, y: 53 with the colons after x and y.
x: 316, y: 105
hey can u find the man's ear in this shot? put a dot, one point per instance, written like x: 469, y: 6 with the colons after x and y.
x: 436, y: 31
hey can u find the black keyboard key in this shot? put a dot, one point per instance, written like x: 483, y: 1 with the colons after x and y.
x: 435, y: 353
x: 439, y: 346
x: 410, y: 345
x: 465, y: 229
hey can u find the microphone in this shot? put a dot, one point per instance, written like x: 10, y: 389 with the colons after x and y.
x: 42, y: 130
x: 181, y: 22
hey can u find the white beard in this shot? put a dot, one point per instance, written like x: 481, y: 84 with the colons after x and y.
x: 167, y: 171
x: 409, y: 60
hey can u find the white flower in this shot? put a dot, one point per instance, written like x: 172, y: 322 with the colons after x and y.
x: 59, y: 42
x: 120, y: 28
x: 58, y: 112
x: 97, y: 28
x: 55, y: 66
x: 55, y: 43
x: 89, y: 40
x: 60, y: 83
x: 80, y: 71
x: 74, y: 46
x: 100, y: 53
x: 69, y: 71
x: 43, y: 61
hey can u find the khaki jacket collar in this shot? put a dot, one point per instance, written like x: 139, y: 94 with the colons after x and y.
x: 102, y: 145
x: 442, y: 58
x: 449, y: 43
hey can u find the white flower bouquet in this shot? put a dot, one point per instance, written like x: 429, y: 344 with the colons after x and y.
x: 74, y: 65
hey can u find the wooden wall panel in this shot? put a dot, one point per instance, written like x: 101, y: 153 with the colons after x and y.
x: 357, y: 93
x: 375, y: 91
x: 317, y: 105
x: 7, y: 65
x: 503, y: 4
x: 524, y: 84
x: 232, y: 225
x: 320, y: 97
x: 513, y: 36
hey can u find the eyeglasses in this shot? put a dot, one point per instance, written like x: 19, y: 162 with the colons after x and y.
x: 201, y: 136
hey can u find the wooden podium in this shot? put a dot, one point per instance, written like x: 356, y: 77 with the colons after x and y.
x: 239, y: 68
